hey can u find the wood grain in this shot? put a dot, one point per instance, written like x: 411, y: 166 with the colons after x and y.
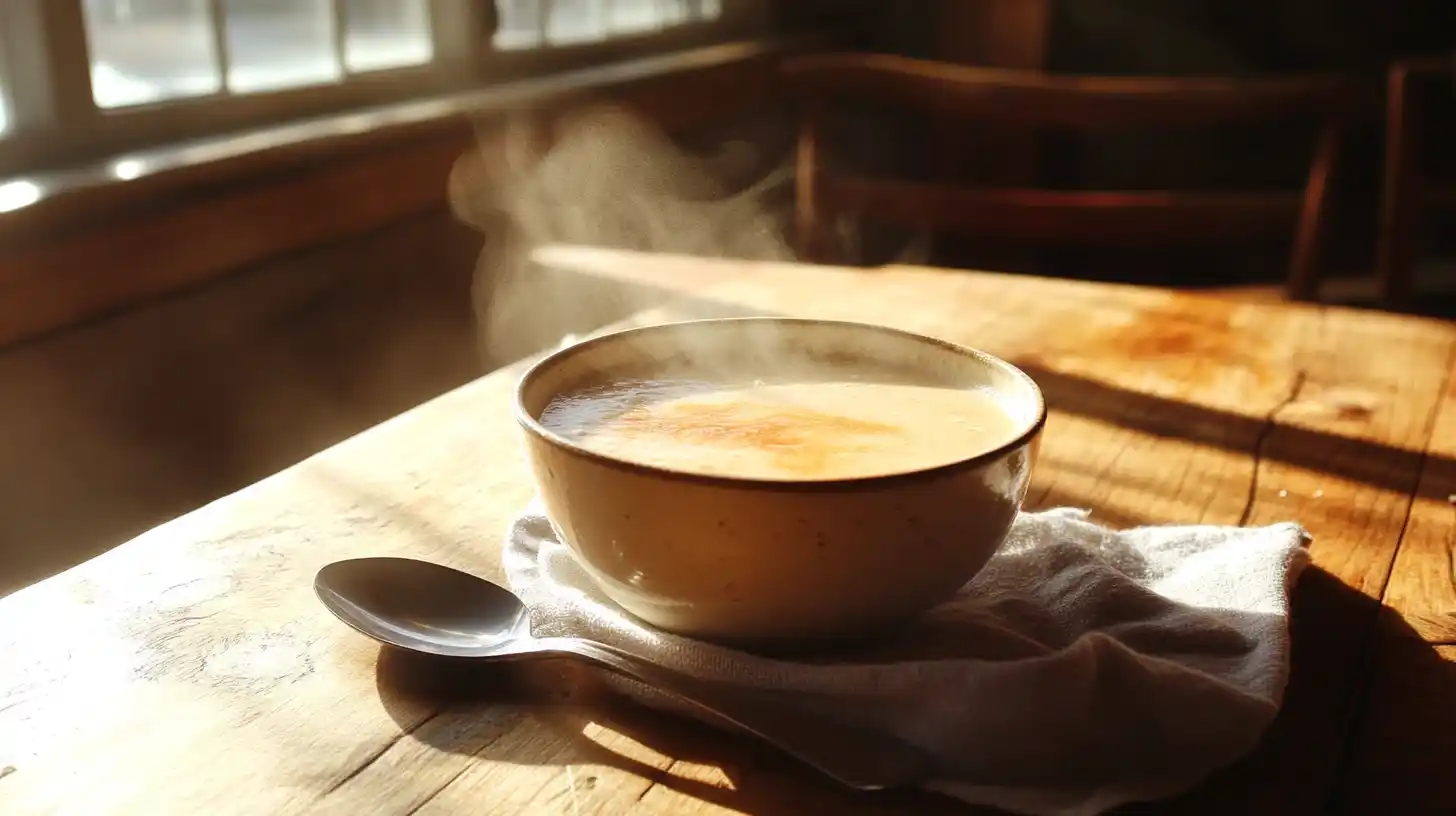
x: 1422, y: 591
x: 191, y: 669
x: 1340, y: 456
x: 53, y: 283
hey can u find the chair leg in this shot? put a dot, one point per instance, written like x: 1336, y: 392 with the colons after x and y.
x: 1400, y: 194
x: 1304, y: 265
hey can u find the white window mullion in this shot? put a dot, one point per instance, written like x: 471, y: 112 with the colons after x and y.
x: 544, y: 10
x: 457, y: 29
x: 340, y: 11
x: 217, y: 18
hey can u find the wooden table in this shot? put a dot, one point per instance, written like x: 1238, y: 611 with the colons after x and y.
x: 192, y: 670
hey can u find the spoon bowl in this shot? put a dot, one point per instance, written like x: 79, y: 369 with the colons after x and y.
x: 433, y: 609
x: 422, y: 607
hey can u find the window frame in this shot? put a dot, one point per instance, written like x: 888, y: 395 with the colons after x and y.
x: 55, y: 124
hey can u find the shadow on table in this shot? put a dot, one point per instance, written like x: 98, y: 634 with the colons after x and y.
x: 1311, y: 760
x: 1405, y: 731
x: 569, y: 706
x: 1304, y: 764
x: 1359, y: 460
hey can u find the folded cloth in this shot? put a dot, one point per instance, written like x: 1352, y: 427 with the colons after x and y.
x: 1082, y: 669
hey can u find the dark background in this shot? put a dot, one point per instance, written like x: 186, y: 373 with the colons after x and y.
x: 1178, y: 37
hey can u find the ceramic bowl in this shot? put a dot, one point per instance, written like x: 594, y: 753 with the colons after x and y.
x: 777, y: 564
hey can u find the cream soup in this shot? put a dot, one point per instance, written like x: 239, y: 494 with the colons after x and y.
x: 782, y: 431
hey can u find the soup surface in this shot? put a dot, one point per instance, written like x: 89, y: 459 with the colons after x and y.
x: 793, y: 431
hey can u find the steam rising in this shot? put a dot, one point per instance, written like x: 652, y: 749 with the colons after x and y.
x: 600, y: 177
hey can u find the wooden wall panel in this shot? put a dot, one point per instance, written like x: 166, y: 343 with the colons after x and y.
x: 122, y: 262
x: 1001, y: 33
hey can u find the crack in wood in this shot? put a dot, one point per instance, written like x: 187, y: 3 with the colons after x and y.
x: 1371, y: 634
x: 1425, y: 458
x: 377, y: 754
x: 1271, y: 421
x: 652, y: 783
x: 430, y: 797
x: 1450, y: 557
x: 475, y: 755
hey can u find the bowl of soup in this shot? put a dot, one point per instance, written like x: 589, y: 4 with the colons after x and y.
x: 777, y: 482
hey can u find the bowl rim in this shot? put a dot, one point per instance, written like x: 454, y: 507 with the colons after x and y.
x: 535, y: 428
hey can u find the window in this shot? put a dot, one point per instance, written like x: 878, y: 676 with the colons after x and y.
x: 533, y: 23
x: 145, y: 51
x: 82, y: 80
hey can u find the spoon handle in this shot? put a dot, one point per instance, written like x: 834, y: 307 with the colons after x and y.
x: 854, y: 756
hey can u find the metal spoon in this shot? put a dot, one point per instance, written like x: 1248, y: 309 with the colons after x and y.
x: 437, y: 610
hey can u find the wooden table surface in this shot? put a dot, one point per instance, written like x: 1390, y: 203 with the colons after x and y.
x: 192, y: 670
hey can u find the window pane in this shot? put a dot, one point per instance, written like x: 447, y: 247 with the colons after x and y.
x: 518, y: 24
x: 575, y: 21
x: 274, y: 44
x: 677, y: 12
x: 386, y: 34
x: 632, y: 16
x: 150, y: 50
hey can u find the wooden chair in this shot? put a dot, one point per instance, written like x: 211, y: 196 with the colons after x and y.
x: 1038, y: 101
x: 1406, y: 197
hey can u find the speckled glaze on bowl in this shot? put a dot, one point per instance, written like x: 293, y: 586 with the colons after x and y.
x: 776, y: 564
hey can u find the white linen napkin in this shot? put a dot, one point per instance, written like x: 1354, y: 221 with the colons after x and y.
x: 1082, y: 669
